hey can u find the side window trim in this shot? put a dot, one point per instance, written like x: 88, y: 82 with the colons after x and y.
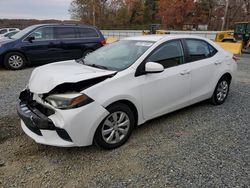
x: 76, y: 30
x: 140, y: 69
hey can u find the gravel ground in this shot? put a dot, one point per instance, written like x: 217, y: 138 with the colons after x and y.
x: 199, y: 146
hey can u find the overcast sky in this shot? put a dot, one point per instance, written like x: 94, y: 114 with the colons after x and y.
x: 35, y: 9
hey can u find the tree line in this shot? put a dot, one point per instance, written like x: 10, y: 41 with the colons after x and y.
x: 138, y: 14
x: 171, y: 14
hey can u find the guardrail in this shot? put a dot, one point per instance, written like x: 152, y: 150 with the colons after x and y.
x: 130, y: 33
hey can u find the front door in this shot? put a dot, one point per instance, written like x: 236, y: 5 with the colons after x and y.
x: 44, y: 47
x: 169, y: 90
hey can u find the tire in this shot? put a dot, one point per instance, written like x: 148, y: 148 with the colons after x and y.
x: 14, y: 61
x: 87, y: 52
x: 112, y: 134
x: 221, y: 91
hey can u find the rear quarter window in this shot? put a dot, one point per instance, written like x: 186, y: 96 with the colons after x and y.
x: 88, y: 33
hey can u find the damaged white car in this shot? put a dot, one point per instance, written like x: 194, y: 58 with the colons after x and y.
x: 101, y: 98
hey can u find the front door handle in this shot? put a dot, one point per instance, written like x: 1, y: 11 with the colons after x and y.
x: 218, y: 62
x: 184, y: 72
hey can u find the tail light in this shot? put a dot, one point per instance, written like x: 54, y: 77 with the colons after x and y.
x: 104, y: 42
x: 235, y: 58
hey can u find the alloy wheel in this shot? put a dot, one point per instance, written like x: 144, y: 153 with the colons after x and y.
x: 115, y: 128
x: 222, y: 91
x: 15, y: 61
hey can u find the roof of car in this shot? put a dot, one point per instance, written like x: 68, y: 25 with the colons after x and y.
x: 155, y: 38
x: 63, y: 24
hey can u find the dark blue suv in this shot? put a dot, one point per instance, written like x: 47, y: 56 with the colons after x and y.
x: 40, y: 44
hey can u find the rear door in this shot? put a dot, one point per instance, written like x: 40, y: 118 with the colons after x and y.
x: 69, y: 41
x: 90, y: 38
x: 205, y: 66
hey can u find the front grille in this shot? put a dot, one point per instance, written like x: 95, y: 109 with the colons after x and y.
x: 27, y: 96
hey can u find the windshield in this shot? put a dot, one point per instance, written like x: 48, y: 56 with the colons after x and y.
x: 117, y: 56
x: 23, y: 32
x: 240, y: 28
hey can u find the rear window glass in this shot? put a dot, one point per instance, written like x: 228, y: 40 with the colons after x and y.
x: 198, y: 49
x: 87, y: 33
x: 65, y: 33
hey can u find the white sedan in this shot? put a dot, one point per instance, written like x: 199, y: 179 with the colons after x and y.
x: 100, y: 99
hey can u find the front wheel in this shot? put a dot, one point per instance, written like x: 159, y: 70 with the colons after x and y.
x: 14, y: 61
x: 116, y: 128
x: 221, y: 91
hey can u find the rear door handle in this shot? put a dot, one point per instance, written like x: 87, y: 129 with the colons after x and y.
x: 184, y: 72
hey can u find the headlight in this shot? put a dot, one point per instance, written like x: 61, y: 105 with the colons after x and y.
x: 68, y: 101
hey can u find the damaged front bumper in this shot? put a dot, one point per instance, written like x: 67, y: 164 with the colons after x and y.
x: 64, y: 128
x: 37, y: 125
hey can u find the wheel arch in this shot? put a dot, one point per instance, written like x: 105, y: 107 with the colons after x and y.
x: 228, y: 76
x: 225, y: 74
x: 130, y: 104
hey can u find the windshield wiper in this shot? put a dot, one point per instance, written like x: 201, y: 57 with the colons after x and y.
x: 81, y: 60
x: 97, y: 66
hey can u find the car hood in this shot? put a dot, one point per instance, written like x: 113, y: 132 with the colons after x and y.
x: 46, y: 78
x: 4, y: 40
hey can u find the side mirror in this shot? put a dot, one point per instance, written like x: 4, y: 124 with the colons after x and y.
x: 30, y: 39
x: 152, y: 67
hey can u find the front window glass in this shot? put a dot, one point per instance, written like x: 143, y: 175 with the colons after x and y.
x: 240, y: 28
x: 119, y: 55
x: 168, y: 55
x: 45, y: 33
x: 23, y: 32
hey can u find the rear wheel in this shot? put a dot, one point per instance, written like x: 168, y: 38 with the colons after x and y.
x: 116, y: 128
x: 221, y: 91
x: 14, y: 61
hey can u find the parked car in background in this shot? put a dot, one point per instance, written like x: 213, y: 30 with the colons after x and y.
x: 7, y: 30
x: 9, y: 34
x: 103, y: 97
x: 39, y: 44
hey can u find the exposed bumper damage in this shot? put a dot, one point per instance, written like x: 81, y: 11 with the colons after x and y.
x: 65, y: 128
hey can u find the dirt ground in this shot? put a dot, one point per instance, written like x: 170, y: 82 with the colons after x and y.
x: 199, y: 146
